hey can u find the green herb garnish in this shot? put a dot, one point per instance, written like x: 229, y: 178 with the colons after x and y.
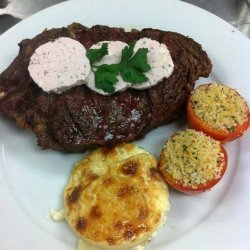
x: 106, y: 77
x: 131, y: 67
x: 95, y: 55
x: 184, y: 147
x: 231, y: 129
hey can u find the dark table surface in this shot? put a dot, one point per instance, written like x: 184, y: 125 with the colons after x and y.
x: 235, y: 12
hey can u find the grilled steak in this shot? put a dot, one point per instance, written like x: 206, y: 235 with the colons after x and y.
x: 79, y: 118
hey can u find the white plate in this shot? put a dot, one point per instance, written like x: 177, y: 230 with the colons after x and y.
x: 32, y: 181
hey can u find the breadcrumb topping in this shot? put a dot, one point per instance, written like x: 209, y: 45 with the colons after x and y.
x: 219, y: 106
x: 192, y: 158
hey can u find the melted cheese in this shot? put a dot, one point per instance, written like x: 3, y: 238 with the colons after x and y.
x: 59, y: 65
x: 56, y: 214
x: 115, y: 198
x: 84, y: 245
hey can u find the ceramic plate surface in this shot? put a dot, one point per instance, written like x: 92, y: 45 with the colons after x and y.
x: 32, y: 181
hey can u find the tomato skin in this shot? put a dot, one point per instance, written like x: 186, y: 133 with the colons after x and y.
x: 196, y: 123
x: 200, y: 188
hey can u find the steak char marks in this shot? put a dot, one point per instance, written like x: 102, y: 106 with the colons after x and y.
x: 80, y: 118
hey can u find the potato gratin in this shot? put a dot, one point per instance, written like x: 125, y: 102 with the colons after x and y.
x: 115, y: 198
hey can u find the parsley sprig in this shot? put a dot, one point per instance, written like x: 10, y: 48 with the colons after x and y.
x: 95, y: 55
x: 131, y: 67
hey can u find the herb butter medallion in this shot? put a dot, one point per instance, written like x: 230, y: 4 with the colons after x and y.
x: 131, y: 67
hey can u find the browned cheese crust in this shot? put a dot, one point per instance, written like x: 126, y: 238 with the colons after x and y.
x: 116, y: 197
x: 80, y: 118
